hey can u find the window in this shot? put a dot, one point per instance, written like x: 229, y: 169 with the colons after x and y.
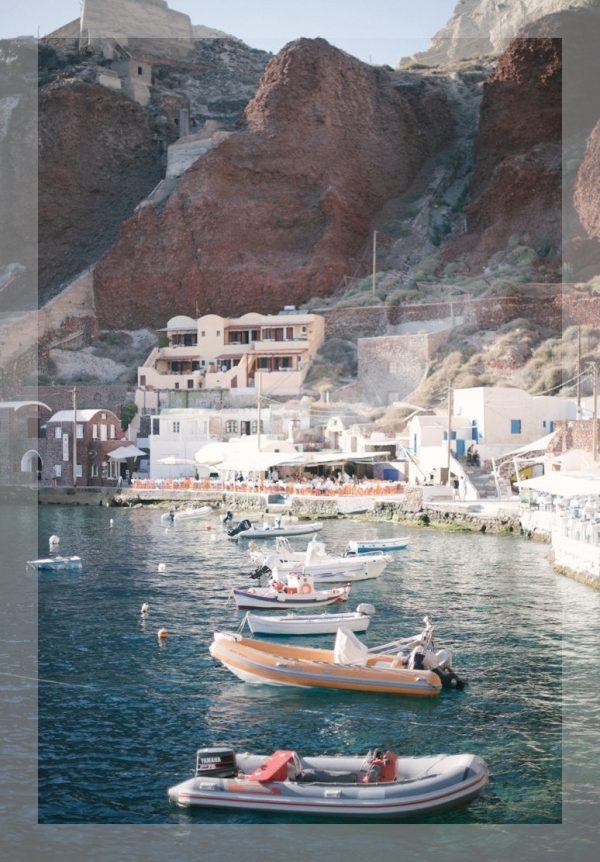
x: 95, y: 432
x: 58, y: 432
x: 177, y: 386
x: 218, y: 332
x: 94, y: 471
x: 175, y: 427
x: 112, y: 432
x: 543, y: 423
x: 515, y: 426
x: 140, y: 70
x: 57, y: 471
x: 203, y: 334
x: 231, y: 426
x: 78, y: 471
x: 255, y: 427
x: 103, y: 434
x: 190, y: 384
x: 142, y: 379
x: 103, y: 416
x: 156, y: 427
x: 80, y: 432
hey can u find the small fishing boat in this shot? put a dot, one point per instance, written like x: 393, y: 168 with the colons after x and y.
x: 311, y: 624
x: 380, y: 785
x: 246, y: 530
x: 298, y: 592
x: 323, y: 567
x: 55, y: 563
x: 373, y: 545
x: 191, y: 513
x: 349, y: 665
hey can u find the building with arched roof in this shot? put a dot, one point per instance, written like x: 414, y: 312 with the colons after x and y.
x: 216, y: 352
x: 22, y: 429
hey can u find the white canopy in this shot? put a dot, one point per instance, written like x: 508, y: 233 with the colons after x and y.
x: 124, y: 452
x: 564, y: 484
x: 174, y: 459
x: 256, y: 462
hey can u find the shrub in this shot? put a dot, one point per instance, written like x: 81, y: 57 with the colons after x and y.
x: 128, y: 411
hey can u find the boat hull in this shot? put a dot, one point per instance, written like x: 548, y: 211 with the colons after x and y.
x: 274, y: 600
x: 306, y: 625
x: 457, y: 780
x: 383, y: 545
x: 337, y: 571
x: 276, y: 532
x: 186, y: 515
x: 264, y: 663
x: 55, y: 564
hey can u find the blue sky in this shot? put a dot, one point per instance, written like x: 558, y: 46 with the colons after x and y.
x: 379, y: 31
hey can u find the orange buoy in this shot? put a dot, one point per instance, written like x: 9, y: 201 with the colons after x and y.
x: 163, y: 633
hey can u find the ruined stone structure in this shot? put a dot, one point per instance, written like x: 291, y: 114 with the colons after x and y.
x: 125, y: 19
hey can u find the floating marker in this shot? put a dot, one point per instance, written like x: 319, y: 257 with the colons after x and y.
x: 111, y: 522
x: 144, y: 609
x: 163, y: 633
x: 54, y: 541
x: 162, y: 567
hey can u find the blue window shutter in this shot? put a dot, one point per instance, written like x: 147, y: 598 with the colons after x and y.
x: 515, y: 426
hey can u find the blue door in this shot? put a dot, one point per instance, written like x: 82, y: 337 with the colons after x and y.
x: 460, y: 448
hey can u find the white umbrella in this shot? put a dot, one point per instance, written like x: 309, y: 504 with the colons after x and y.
x: 173, y: 459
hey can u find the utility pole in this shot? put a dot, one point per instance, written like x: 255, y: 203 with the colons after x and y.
x: 74, y: 396
x: 578, y: 414
x: 374, y: 278
x: 449, y: 431
x: 258, y: 405
x: 594, y: 368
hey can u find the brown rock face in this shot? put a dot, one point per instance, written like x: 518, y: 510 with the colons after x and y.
x: 516, y: 187
x: 97, y: 160
x: 277, y: 212
x: 587, y: 187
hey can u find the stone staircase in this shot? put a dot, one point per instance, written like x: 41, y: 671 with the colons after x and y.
x: 483, y: 480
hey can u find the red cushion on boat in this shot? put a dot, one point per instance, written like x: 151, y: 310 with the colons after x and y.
x: 275, y: 767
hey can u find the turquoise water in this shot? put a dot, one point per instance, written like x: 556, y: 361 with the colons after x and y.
x: 130, y: 712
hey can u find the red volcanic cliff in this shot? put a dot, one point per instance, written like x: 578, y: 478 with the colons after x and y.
x: 276, y: 213
x: 587, y: 186
x: 97, y: 160
x: 516, y: 186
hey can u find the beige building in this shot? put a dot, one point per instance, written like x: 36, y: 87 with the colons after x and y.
x: 220, y: 353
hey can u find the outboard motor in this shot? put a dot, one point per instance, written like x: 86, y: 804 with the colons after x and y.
x: 260, y: 572
x: 228, y: 517
x: 216, y: 763
x: 243, y: 525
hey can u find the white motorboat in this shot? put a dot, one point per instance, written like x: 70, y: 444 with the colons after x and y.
x: 322, y: 567
x: 380, y: 785
x: 373, y: 545
x: 55, y: 563
x: 311, y: 624
x: 191, y: 513
x: 298, y: 592
x: 246, y: 530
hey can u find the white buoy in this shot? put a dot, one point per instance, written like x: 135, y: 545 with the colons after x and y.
x: 167, y: 530
x: 144, y: 609
x: 111, y: 522
x: 162, y: 567
x: 54, y: 541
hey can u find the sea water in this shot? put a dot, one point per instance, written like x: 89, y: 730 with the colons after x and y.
x: 122, y: 712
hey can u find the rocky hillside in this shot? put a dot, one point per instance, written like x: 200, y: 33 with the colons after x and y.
x: 277, y: 212
x: 486, y: 27
x: 101, y: 153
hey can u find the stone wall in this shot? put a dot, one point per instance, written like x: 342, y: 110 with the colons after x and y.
x: 573, y: 434
x: 390, y: 367
x: 100, y: 396
x: 546, y: 305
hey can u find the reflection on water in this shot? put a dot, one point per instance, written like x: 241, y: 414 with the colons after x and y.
x: 109, y: 750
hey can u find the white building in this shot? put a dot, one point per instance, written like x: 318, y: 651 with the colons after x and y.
x: 503, y: 418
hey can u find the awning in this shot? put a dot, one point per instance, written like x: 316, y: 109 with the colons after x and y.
x: 539, y: 445
x: 125, y: 452
x: 257, y: 462
x: 563, y: 485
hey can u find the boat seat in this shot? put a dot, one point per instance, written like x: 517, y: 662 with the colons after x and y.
x: 321, y: 776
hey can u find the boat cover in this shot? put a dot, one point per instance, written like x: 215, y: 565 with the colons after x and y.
x: 348, y: 649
